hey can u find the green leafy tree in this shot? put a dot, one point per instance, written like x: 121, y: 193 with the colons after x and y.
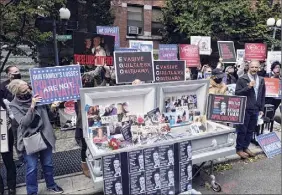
x: 17, y: 26
x: 237, y: 20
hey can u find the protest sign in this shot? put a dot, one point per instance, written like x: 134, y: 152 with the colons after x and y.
x: 68, y: 116
x: 272, y: 87
x: 189, y: 53
x: 240, y: 55
x: 207, y: 75
x: 231, y: 89
x: 255, y: 51
x: 3, y: 132
x: 272, y: 56
x: 60, y: 83
x: 93, y: 49
x: 110, y: 30
x: 166, y: 71
x: 204, y: 44
x: 226, y: 51
x: 126, y: 49
x: 168, y: 52
x: 133, y: 65
x: 270, y: 144
x: 229, y: 109
x: 144, y: 46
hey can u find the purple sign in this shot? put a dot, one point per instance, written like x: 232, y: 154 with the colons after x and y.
x: 168, y: 52
x: 110, y: 30
x: 60, y: 83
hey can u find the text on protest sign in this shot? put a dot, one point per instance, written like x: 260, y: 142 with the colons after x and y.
x: 270, y: 143
x: 226, y: 51
x: 4, y: 146
x: 168, y: 52
x: 60, y: 83
x: 133, y: 65
x: 189, y: 53
x: 166, y: 71
x: 110, y: 30
x: 224, y: 108
x: 272, y: 87
x: 255, y: 51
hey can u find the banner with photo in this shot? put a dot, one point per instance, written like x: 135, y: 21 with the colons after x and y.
x: 168, y: 52
x: 224, y: 108
x: 272, y: 56
x: 204, y: 43
x: 226, y: 51
x: 189, y: 53
x: 144, y: 46
x: 110, y: 30
x: 93, y: 49
x: 255, y: 51
x: 240, y: 55
x: 59, y: 83
x: 68, y: 116
x: 3, y: 132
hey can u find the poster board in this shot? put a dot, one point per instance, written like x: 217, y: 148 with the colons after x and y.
x: 255, y: 51
x: 166, y: 70
x: 203, y: 42
x: 93, y: 49
x: 59, y: 83
x: 67, y: 116
x: 224, y: 108
x: 272, y: 56
x: 111, y: 31
x: 240, y: 55
x: 133, y: 65
x: 272, y: 87
x: 4, y: 146
x: 144, y: 46
x: 168, y: 52
x: 226, y: 51
x: 270, y: 144
x: 189, y: 53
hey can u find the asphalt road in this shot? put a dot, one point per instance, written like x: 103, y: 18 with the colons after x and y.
x: 257, y: 176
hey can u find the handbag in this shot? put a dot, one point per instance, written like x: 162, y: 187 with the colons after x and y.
x: 34, y: 143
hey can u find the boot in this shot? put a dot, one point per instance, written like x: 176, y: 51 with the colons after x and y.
x: 251, y: 154
x: 85, y: 169
x: 242, y: 154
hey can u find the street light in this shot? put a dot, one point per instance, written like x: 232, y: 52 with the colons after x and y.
x: 64, y: 14
x: 273, y: 24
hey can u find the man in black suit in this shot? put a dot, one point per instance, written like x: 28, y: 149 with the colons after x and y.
x: 253, y: 87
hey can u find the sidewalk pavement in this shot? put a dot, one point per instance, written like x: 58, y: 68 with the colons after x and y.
x: 79, y: 184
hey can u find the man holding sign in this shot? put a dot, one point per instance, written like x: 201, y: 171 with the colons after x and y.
x: 253, y: 87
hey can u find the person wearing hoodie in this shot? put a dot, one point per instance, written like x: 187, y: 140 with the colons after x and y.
x: 216, y: 85
x: 230, y: 71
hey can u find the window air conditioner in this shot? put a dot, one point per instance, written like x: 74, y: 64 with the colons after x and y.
x: 133, y: 30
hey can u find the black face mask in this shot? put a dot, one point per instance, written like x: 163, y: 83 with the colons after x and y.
x: 217, y: 80
x: 17, y: 76
x: 25, y: 96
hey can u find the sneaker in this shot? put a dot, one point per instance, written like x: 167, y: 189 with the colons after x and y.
x: 56, y: 190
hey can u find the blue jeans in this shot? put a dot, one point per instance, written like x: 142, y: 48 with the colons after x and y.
x: 245, y: 131
x: 31, y: 161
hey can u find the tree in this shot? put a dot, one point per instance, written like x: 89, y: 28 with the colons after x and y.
x: 17, y: 26
x: 236, y: 20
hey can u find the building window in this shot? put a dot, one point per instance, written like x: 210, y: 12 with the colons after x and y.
x: 156, y: 21
x: 135, y: 19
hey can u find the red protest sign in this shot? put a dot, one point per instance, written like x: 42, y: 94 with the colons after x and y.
x: 189, y: 53
x: 272, y: 87
x: 255, y: 51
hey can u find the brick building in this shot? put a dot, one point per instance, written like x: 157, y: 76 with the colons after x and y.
x: 138, y: 20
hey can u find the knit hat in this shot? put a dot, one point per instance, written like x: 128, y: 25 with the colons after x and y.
x: 275, y: 63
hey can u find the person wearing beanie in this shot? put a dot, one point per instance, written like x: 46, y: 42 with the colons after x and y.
x: 216, y: 84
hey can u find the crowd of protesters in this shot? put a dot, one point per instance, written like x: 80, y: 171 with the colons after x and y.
x: 26, y: 119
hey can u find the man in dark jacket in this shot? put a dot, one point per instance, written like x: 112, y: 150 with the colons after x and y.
x: 253, y: 87
x: 5, y: 97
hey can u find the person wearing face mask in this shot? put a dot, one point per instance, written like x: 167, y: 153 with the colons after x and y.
x: 230, y: 71
x: 34, y: 125
x: 216, y: 84
x: 253, y: 87
x: 5, y: 98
